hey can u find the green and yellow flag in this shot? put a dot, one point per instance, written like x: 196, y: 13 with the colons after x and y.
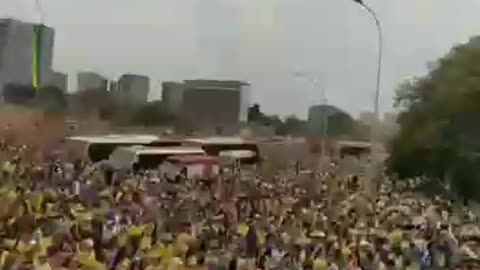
x: 37, y: 51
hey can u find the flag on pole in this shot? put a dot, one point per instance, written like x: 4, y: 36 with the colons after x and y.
x: 37, y: 50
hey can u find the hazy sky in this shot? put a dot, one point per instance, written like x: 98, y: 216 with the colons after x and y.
x: 262, y: 41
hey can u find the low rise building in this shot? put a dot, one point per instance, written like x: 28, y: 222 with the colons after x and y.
x: 90, y: 80
x: 59, y: 80
x: 132, y: 88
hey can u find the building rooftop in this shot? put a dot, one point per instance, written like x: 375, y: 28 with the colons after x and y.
x: 117, y: 138
x: 150, y: 150
x: 90, y: 73
x: 219, y: 83
x: 16, y: 20
x: 137, y: 76
x: 218, y: 140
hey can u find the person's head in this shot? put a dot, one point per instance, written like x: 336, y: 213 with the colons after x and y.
x: 19, y: 189
x: 201, y: 259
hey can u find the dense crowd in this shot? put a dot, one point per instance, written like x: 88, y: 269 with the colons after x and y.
x: 61, y: 215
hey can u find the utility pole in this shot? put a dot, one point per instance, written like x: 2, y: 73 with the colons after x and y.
x: 323, y: 102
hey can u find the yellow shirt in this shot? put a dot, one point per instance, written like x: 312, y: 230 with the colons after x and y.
x: 396, y: 237
x: 146, y: 243
x: 125, y: 264
x: 413, y: 267
x: 320, y: 264
x: 175, y: 264
x: 242, y: 229
x: 3, y: 256
x: 86, y: 257
x: 37, y: 203
x: 262, y: 238
x: 167, y: 252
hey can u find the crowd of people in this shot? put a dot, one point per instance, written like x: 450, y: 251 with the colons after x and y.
x: 61, y: 215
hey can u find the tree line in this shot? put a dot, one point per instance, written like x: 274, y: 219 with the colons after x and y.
x: 106, y: 105
x: 339, y: 123
x: 439, y: 135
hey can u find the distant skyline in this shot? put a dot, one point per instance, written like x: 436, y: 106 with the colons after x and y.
x: 269, y: 40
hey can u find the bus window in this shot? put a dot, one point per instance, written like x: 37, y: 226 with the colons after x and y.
x: 101, y: 151
x: 147, y: 162
x: 163, y: 144
x: 141, y: 157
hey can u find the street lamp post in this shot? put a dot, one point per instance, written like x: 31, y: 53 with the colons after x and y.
x: 379, y: 67
x: 374, y: 125
x: 315, y: 83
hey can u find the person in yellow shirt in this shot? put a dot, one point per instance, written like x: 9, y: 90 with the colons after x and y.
x: 320, y: 264
x: 11, y: 260
x: 85, y: 250
x: 153, y: 259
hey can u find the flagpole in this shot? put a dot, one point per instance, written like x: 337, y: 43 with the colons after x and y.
x: 37, y: 40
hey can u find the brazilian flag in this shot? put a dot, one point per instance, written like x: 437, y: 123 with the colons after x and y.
x: 37, y: 54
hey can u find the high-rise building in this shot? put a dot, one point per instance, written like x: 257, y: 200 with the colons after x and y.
x: 17, y: 46
x: 90, y: 80
x: 59, y: 80
x: 133, y: 88
x: 208, y: 102
x: 172, y: 96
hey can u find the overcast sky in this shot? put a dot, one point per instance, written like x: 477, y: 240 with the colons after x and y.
x: 262, y: 41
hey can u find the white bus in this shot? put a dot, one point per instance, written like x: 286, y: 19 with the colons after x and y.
x: 97, y: 148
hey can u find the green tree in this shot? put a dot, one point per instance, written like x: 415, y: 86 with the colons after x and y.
x: 48, y: 98
x: 291, y: 125
x: 52, y: 99
x: 254, y: 113
x: 439, y: 133
x: 101, y: 102
x: 18, y: 94
x: 90, y: 100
